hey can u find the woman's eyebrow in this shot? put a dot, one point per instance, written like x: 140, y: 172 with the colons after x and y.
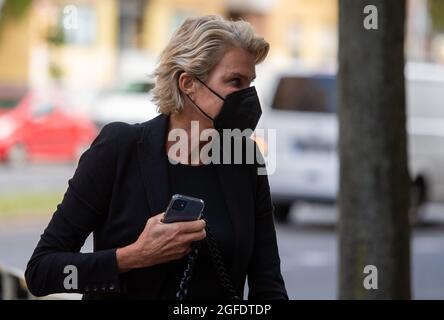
x: 240, y: 75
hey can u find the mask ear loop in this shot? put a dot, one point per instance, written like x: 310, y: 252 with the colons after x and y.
x: 214, y: 92
x: 195, y: 104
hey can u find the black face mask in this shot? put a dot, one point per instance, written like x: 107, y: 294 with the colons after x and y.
x: 241, y: 110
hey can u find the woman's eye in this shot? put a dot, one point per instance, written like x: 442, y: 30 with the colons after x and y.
x: 236, y: 82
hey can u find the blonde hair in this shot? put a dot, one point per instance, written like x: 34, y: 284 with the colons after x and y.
x: 196, y: 47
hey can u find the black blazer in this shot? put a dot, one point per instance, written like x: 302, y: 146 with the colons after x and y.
x: 121, y: 181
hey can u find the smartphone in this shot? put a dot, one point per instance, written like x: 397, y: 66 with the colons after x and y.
x: 183, y: 208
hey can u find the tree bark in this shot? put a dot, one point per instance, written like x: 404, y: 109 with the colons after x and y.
x: 374, y: 186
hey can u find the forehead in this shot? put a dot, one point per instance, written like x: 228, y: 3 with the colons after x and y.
x: 236, y: 62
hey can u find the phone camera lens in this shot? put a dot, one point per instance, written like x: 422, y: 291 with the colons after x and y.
x: 179, y: 205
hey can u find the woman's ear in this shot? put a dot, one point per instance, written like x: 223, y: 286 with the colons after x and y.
x: 187, y: 84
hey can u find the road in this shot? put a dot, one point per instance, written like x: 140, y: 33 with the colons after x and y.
x: 308, y: 243
x: 309, y: 254
x: 42, y: 177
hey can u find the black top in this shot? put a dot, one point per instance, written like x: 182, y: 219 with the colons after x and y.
x: 201, y: 181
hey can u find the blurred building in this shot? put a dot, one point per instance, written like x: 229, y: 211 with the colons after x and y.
x: 45, y: 47
x: 304, y: 29
x: 89, y: 44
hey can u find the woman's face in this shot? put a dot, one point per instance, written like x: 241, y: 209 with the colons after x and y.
x: 235, y: 71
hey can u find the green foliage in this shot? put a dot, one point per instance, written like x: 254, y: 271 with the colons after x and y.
x: 28, y: 204
x: 15, y: 8
x: 55, y: 71
x: 55, y: 36
x: 436, y: 8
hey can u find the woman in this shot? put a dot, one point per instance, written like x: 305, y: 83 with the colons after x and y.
x: 124, y: 181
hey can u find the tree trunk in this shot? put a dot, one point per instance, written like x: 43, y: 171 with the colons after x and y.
x: 374, y: 180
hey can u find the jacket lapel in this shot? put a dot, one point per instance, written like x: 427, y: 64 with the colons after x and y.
x: 232, y: 180
x: 153, y: 163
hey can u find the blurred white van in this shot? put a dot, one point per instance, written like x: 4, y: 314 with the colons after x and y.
x: 301, y: 106
x: 129, y: 101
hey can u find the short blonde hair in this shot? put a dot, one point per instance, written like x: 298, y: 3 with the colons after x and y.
x: 196, y: 47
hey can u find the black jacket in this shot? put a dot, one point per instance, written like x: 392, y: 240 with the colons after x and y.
x: 121, y: 181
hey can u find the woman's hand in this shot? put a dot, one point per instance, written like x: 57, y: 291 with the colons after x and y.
x: 159, y: 243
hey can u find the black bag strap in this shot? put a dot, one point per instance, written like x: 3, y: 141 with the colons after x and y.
x: 216, y: 257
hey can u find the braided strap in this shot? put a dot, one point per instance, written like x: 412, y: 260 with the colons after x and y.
x: 188, y: 273
x: 218, y: 262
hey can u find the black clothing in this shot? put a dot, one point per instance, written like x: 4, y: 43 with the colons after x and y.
x: 120, y: 182
x: 201, y: 181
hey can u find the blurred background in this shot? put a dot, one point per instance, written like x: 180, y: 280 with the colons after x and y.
x: 69, y: 67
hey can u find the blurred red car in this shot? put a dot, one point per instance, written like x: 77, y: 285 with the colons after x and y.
x: 43, y: 129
